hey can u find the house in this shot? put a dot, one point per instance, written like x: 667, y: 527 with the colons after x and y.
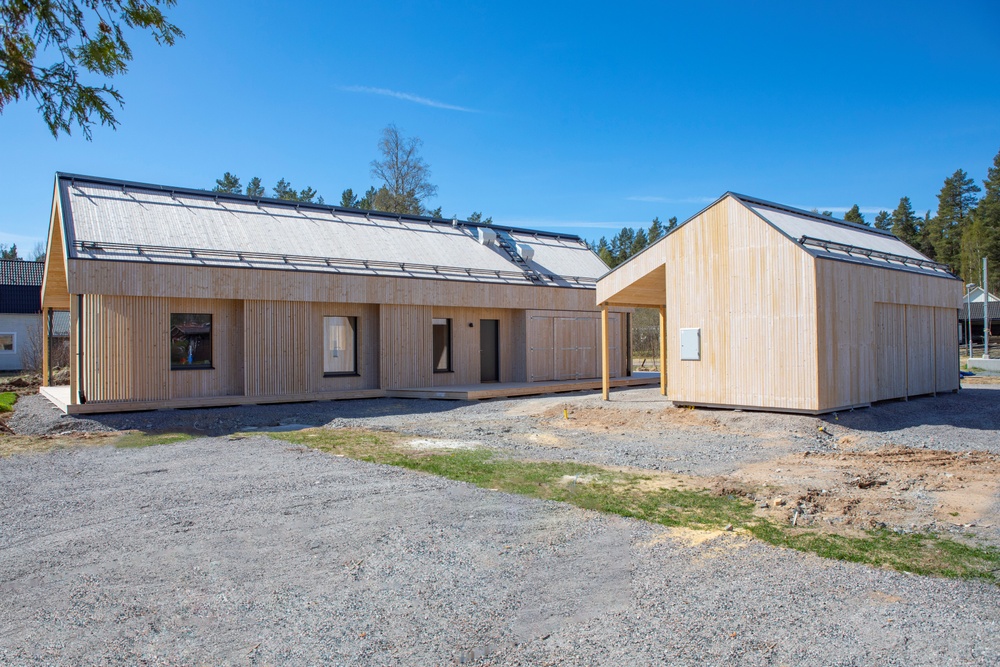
x: 769, y: 307
x: 181, y: 297
x: 20, y: 313
x: 978, y: 295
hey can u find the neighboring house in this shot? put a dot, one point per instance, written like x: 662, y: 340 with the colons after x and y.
x: 184, y: 297
x: 978, y: 295
x: 974, y: 314
x: 770, y: 307
x: 20, y: 308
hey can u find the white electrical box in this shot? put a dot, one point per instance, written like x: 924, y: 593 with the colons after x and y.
x: 690, y: 344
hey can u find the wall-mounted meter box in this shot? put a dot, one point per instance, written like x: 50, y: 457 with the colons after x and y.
x: 690, y: 344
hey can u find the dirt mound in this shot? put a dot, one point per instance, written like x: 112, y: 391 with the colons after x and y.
x: 892, y: 487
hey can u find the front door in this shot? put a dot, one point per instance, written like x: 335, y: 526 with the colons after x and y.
x: 489, y: 350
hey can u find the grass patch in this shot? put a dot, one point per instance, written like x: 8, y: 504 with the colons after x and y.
x: 7, y: 401
x: 623, y: 493
x: 919, y: 553
x: 135, y: 439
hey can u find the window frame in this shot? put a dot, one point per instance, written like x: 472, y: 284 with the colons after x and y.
x: 211, y: 346
x: 13, y: 342
x: 353, y: 321
x: 449, y: 341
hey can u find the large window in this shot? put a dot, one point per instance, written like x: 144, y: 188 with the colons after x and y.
x: 340, y: 346
x: 6, y: 342
x: 442, y: 345
x: 190, y: 341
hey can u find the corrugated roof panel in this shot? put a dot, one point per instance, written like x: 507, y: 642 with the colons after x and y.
x: 108, y: 213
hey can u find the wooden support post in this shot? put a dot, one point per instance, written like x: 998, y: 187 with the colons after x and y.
x: 605, y: 355
x: 663, y: 350
x: 46, y: 346
x: 74, y: 344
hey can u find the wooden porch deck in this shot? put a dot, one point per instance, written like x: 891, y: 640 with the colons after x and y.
x: 471, y: 392
x: 60, y: 395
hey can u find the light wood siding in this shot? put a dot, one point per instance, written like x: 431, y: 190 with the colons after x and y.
x: 168, y: 280
x: 368, y: 347
x: 126, y: 349
x: 407, y: 346
x: 55, y: 290
x: 465, y: 359
x: 946, y: 349
x: 890, y: 351
x: 882, y: 333
x: 277, y: 340
x: 567, y: 345
x: 920, y: 369
x: 752, y: 292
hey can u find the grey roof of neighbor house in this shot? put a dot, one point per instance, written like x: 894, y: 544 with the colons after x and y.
x: 841, y: 240
x: 21, y: 286
x: 118, y: 220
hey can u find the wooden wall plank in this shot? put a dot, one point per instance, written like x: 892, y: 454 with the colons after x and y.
x: 889, y: 351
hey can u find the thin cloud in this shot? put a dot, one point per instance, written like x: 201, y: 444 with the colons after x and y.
x: 408, y: 97
x: 844, y: 209
x: 670, y: 200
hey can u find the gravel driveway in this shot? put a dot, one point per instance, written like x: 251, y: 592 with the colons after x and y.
x: 251, y: 551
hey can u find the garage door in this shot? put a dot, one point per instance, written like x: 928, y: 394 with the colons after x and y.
x: 568, y: 347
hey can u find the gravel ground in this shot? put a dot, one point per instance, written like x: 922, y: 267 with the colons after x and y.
x: 638, y: 427
x: 251, y: 551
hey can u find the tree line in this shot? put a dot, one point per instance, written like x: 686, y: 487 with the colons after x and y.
x: 964, y: 228
x: 404, y: 175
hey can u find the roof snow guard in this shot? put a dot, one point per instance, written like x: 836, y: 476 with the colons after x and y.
x: 827, y: 237
x: 124, y: 221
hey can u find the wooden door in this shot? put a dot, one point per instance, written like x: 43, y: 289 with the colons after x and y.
x: 920, y: 362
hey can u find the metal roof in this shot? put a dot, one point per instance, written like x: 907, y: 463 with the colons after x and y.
x: 120, y: 220
x: 976, y: 308
x: 20, y: 272
x: 831, y: 238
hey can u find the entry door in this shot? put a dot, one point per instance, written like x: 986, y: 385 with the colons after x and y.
x: 489, y: 350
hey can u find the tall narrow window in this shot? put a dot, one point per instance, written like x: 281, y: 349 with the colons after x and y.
x: 340, y: 345
x: 190, y: 341
x: 442, y: 345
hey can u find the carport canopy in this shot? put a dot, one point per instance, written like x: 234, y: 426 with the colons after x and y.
x: 641, y: 282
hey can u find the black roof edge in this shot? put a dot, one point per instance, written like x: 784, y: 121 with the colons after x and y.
x: 100, y: 180
x: 746, y: 199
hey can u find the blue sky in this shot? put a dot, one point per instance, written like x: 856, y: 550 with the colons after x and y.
x: 576, y: 117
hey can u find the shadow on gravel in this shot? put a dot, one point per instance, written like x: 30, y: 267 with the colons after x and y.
x: 975, y: 408
x: 227, y: 420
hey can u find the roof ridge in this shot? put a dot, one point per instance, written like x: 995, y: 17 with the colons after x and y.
x: 747, y: 199
x: 210, y: 194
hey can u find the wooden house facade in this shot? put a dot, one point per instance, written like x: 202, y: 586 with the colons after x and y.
x: 769, y: 307
x: 181, y: 298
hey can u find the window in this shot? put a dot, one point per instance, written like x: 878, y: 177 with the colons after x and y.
x: 340, y: 346
x: 442, y: 345
x: 6, y: 342
x: 190, y: 341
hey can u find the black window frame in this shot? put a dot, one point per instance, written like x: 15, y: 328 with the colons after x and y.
x: 353, y: 321
x: 193, y: 367
x: 448, y: 344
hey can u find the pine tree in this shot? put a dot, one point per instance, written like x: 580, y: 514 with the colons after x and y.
x: 854, y: 215
x: 656, y: 231
x: 228, y: 183
x: 956, y: 199
x: 348, y: 199
x: 254, y: 188
x: 604, y: 252
x: 883, y: 220
x: 986, y: 224
x: 477, y: 216
x: 284, y: 190
x: 904, y: 223
x: 8, y: 253
x: 672, y: 224
x: 307, y: 195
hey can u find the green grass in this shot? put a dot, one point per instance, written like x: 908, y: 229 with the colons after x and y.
x: 136, y: 440
x: 633, y: 495
x: 7, y: 401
